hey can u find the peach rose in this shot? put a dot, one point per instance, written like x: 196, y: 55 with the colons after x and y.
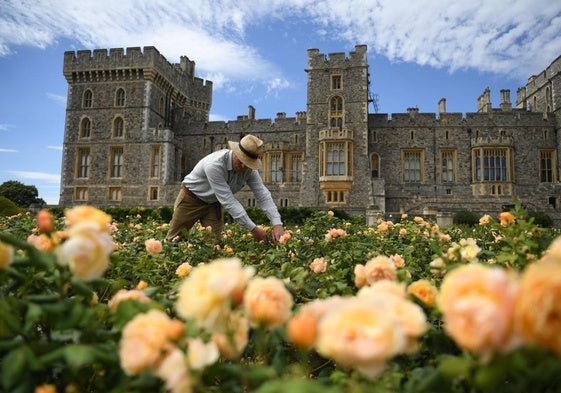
x: 86, y: 252
x: 141, y: 285
x: 477, y: 303
x: 47, y: 388
x: 424, y: 291
x: 267, y: 302
x: 379, y: 268
x: 207, y: 293
x: 44, y: 221
x: 538, y: 307
x: 125, y: 294
x: 361, y: 334
x: 506, y: 219
x: 6, y: 255
x: 318, y: 265
x: 302, y: 330
x: 360, y: 276
x: 153, y: 247
x: 144, y: 342
x: 80, y: 214
x: 42, y: 242
x: 485, y: 219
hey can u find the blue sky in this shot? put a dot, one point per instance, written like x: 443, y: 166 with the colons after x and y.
x: 255, y: 53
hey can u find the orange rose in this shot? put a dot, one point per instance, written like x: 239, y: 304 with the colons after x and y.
x: 267, y: 302
x: 302, y: 330
x: 424, y: 291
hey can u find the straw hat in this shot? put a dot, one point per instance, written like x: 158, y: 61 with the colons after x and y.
x: 248, y: 151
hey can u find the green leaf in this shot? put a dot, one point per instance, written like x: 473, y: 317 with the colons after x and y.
x: 13, y: 367
x: 257, y: 375
x: 452, y: 367
x: 78, y: 355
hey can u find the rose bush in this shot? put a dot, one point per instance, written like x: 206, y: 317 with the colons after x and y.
x: 88, y: 304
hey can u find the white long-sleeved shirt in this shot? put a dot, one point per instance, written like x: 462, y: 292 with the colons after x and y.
x: 214, y: 179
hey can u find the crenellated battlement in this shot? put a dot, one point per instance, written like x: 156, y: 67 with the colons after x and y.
x: 337, y: 60
x: 133, y: 62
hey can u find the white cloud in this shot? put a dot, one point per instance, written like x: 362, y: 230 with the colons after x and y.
x: 2, y: 150
x: 517, y: 38
x: 4, y: 127
x: 58, y: 99
x: 54, y: 147
x: 48, y: 177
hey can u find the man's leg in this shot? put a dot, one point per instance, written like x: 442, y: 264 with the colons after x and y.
x: 213, y: 218
x: 187, y: 210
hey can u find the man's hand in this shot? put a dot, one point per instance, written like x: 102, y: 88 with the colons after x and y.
x: 278, y: 231
x: 259, y: 234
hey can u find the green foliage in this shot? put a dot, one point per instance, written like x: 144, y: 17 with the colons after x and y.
x: 58, y: 330
x: 20, y: 194
x: 541, y: 219
x: 465, y: 217
x: 7, y: 207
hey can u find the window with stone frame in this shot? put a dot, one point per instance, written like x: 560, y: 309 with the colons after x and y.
x: 547, y: 165
x: 116, y: 164
x: 153, y: 193
x: 81, y: 194
x: 118, y: 127
x: 83, y: 162
x: 87, y: 99
x: 448, y: 165
x: 492, y: 164
x: 296, y: 168
x: 155, y: 161
x: 120, y: 97
x: 336, y: 82
x: 375, y: 165
x: 85, y: 127
x: 335, y: 159
x: 336, y: 112
x: 412, y: 165
x: 276, y: 168
x: 115, y: 194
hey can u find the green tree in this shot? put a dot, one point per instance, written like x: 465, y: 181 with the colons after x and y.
x: 7, y: 207
x: 19, y: 193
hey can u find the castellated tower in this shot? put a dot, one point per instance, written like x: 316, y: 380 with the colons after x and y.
x: 336, y: 131
x: 123, y: 109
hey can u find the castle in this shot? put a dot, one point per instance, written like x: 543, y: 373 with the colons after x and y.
x: 136, y: 125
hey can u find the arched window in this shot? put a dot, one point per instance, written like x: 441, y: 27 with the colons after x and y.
x: 118, y: 127
x: 120, y: 97
x: 87, y: 99
x: 85, y: 128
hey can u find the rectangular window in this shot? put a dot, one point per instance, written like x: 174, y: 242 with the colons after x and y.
x: 155, y: 161
x: 296, y: 173
x: 153, y: 193
x: 81, y: 194
x: 492, y: 165
x: 412, y: 165
x: 83, y: 165
x: 116, y: 162
x: 276, y: 168
x: 115, y: 194
x: 336, y: 82
x: 335, y: 160
x: 546, y: 166
x: 447, y: 165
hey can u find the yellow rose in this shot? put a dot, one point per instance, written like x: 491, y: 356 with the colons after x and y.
x: 86, y: 252
x: 183, y: 270
x: 267, y: 302
x: 173, y: 370
x: 232, y: 344
x: 207, y: 293
x: 6, y: 255
x: 538, y: 307
x: 201, y: 354
x: 477, y: 303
